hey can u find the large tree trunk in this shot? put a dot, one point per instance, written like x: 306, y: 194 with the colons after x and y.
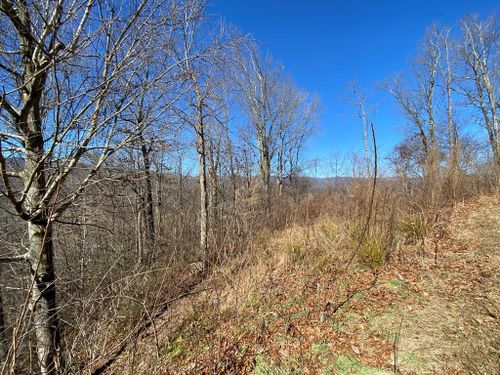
x: 41, y: 251
x: 43, y: 297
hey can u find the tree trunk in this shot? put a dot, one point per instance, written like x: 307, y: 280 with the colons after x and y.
x: 265, y: 170
x: 281, y: 167
x: 203, y: 201
x: 213, y: 175
x: 232, y: 171
x: 148, y: 199
x: 43, y: 297
x: 202, y: 164
x: 3, y: 333
x: 41, y: 251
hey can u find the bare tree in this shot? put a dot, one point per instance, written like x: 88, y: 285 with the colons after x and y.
x: 417, y: 102
x: 449, y: 79
x: 295, y: 124
x: 359, y: 99
x: 203, y: 76
x: 479, y: 52
x: 65, y: 69
x: 258, y: 80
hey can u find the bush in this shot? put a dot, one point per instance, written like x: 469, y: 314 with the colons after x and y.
x: 372, y: 252
x: 413, y: 228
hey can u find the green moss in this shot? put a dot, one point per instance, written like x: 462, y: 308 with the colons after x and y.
x: 395, y: 284
x: 175, y: 348
x: 290, y: 302
x: 321, y: 350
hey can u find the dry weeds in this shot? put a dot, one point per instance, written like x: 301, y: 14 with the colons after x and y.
x: 276, y: 309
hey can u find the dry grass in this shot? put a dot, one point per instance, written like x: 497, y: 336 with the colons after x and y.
x: 278, y: 308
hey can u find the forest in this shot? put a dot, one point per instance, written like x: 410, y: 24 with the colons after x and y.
x: 158, y: 197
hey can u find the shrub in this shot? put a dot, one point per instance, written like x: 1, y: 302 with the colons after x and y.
x: 413, y: 228
x: 372, y: 252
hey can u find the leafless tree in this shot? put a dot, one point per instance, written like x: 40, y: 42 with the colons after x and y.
x: 203, y: 75
x: 295, y: 124
x: 359, y: 99
x: 280, y: 115
x: 417, y: 102
x: 258, y: 80
x: 449, y: 64
x: 65, y: 69
x: 479, y: 52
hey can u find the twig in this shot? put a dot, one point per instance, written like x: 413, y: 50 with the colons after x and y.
x: 13, y: 258
x: 395, y: 346
x: 334, y: 308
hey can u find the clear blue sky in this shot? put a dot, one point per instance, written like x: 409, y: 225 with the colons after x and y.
x: 326, y: 44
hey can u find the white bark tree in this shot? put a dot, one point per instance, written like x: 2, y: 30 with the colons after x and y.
x: 359, y: 101
x: 480, y: 84
x: 417, y: 98
x: 203, y: 77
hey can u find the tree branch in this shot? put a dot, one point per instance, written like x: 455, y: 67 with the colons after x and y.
x: 13, y: 258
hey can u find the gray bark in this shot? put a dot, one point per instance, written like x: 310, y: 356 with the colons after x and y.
x: 202, y: 165
x: 43, y: 297
x: 3, y: 333
x: 481, y: 38
x: 203, y: 194
x: 149, y: 216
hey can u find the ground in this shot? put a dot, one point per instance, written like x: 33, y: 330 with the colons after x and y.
x: 291, y: 309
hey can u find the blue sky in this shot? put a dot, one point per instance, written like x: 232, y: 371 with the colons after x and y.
x: 326, y: 44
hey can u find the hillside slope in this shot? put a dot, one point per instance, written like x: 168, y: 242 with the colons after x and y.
x: 292, y: 308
